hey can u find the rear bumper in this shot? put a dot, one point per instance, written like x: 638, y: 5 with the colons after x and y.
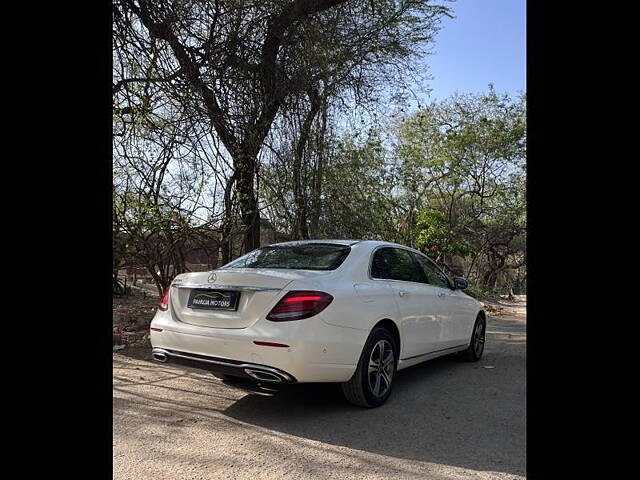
x: 315, y: 352
x: 251, y: 371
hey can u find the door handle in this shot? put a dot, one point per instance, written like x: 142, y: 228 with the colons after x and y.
x: 441, y: 294
x: 402, y: 293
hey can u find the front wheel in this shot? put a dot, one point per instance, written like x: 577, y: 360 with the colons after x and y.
x: 476, y: 346
x: 372, y: 382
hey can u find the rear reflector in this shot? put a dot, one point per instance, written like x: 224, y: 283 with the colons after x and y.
x: 270, y: 344
x: 164, y: 303
x: 299, y: 304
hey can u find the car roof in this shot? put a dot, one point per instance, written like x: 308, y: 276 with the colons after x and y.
x: 298, y: 242
x: 342, y: 242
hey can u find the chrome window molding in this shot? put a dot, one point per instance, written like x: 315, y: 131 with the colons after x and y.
x: 410, y: 250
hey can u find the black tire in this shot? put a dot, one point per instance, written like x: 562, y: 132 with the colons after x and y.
x: 474, y: 351
x: 359, y: 389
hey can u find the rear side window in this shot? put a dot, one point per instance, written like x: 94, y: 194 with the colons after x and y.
x: 301, y: 256
x: 395, y: 264
x: 433, y: 274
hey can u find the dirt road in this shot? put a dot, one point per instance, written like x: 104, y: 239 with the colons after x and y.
x: 445, y: 420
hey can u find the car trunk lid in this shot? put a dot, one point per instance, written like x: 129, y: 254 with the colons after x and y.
x: 257, y: 289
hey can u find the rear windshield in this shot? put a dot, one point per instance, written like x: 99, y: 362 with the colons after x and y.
x: 303, y: 256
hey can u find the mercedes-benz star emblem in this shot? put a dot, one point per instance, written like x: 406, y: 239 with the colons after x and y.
x: 212, y: 278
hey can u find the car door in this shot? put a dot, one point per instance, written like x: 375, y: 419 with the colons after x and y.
x: 454, y: 310
x: 463, y: 310
x: 417, y: 301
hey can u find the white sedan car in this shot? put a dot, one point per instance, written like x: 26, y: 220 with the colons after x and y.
x: 353, y: 312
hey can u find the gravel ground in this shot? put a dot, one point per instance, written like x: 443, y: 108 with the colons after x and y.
x: 445, y: 420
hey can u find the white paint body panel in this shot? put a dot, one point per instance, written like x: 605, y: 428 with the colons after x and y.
x: 421, y: 313
x: 327, y: 346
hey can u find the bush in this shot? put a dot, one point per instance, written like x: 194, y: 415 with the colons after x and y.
x: 480, y: 293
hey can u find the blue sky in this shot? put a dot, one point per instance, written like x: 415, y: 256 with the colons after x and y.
x: 485, y: 43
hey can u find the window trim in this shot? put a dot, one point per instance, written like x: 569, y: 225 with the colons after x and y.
x: 348, y: 248
x: 435, y: 265
x: 411, y: 252
x: 399, y: 247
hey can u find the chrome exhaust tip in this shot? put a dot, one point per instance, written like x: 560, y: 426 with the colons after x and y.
x: 159, y: 356
x: 263, y: 376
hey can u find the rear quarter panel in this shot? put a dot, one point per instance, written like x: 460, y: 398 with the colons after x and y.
x: 358, y: 302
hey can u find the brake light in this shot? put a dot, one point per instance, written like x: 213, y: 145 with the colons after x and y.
x: 164, y: 303
x: 299, y: 304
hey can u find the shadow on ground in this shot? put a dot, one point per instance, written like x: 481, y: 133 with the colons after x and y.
x: 443, y: 411
x: 438, y: 413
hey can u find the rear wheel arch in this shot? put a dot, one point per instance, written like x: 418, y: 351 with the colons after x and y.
x: 359, y: 389
x: 393, y: 329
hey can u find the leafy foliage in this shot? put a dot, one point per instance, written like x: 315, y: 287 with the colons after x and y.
x: 230, y: 113
x: 462, y: 162
x: 435, y: 235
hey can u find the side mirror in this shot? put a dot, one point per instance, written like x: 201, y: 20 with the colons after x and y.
x: 460, y: 283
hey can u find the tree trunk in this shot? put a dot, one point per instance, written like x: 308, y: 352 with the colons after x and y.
x: 496, y: 265
x: 488, y: 279
x: 160, y: 282
x: 244, y: 148
x: 249, y: 213
x: 225, y: 244
x: 317, y: 177
x: 225, y: 241
x: 302, y: 229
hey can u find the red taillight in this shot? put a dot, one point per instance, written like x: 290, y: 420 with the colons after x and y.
x: 299, y: 304
x: 308, y: 298
x: 164, y: 303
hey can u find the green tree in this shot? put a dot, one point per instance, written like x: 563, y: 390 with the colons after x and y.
x: 436, y: 237
x: 461, y: 164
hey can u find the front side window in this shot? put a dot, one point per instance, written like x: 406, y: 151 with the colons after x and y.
x: 434, y: 275
x: 301, y: 256
x: 395, y: 264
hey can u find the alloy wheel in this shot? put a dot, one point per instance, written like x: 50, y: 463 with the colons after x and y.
x: 381, y: 365
x: 478, y: 338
